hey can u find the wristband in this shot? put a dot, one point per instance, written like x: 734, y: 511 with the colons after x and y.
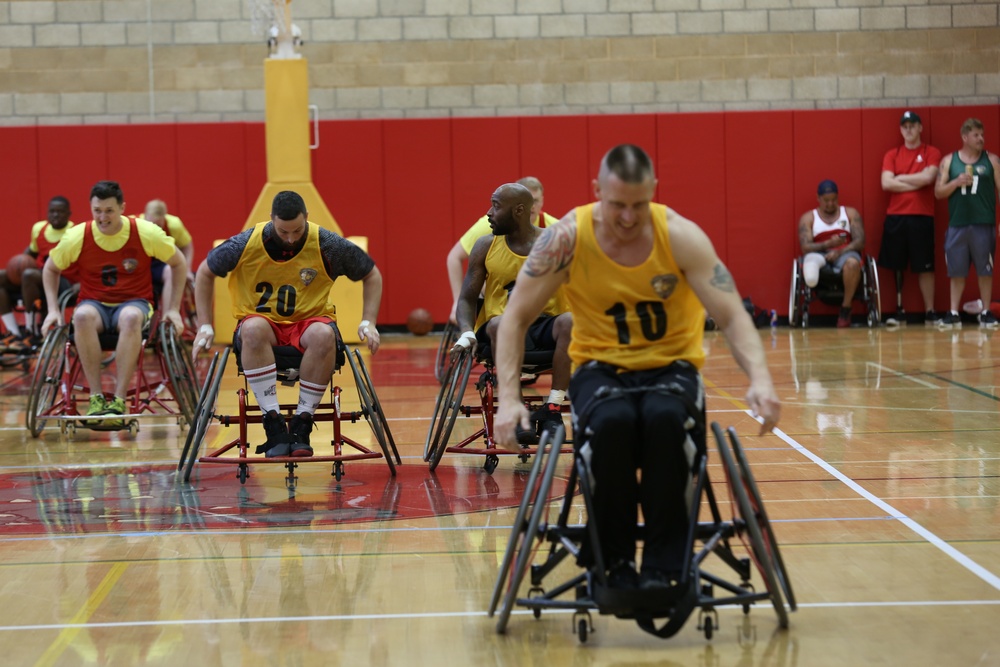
x: 364, y: 324
x: 206, y: 328
x: 466, y: 339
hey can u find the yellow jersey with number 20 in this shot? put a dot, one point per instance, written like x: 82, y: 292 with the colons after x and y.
x: 283, y: 292
x: 633, y: 317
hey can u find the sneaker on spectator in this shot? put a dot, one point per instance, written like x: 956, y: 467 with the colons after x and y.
x: 300, y: 427
x: 896, y: 319
x: 988, y: 319
x: 843, y: 321
x: 931, y: 318
x: 279, y: 442
x: 547, y: 418
x: 951, y: 319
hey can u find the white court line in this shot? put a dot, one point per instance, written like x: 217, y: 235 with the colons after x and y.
x: 904, y: 376
x: 963, y: 560
x: 442, y: 614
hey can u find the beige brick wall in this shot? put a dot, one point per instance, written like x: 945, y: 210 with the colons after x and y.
x: 120, y: 61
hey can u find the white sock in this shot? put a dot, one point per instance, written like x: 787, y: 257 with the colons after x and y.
x: 310, y: 394
x: 10, y: 322
x: 556, y: 396
x: 264, y: 384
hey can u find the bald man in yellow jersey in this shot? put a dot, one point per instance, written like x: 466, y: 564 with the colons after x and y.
x: 638, y: 278
x: 282, y: 272
x: 494, y: 264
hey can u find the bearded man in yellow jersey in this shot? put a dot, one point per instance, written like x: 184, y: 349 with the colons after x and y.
x: 282, y: 271
x: 638, y: 278
x: 494, y: 264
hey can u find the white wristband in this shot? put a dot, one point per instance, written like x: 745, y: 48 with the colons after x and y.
x: 206, y: 329
x: 466, y: 339
x: 364, y: 324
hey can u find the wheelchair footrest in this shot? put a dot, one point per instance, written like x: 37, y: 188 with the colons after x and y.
x: 643, y: 603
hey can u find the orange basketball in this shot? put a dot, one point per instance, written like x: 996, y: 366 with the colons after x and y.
x: 16, y: 266
x: 420, y: 322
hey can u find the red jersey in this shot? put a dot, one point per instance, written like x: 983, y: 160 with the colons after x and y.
x: 114, y: 277
x: 903, y: 160
x: 45, y: 246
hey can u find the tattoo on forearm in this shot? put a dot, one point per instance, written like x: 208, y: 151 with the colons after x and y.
x: 552, y: 252
x: 722, y: 279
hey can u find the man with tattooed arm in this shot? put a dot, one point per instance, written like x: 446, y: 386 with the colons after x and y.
x: 638, y: 278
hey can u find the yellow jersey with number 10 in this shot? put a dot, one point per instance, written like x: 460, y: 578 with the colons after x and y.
x: 633, y: 317
x: 283, y: 292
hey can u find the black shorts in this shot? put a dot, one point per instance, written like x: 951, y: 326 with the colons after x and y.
x: 907, y: 239
x: 539, y: 337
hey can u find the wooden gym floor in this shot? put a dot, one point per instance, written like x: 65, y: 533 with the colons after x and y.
x: 882, y: 485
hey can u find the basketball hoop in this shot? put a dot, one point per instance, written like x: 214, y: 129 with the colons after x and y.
x: 273, y: 19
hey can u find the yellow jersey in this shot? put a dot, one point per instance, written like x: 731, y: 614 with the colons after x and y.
x: 502, y: 267
x: 283, y: 292
x: 634, y: 317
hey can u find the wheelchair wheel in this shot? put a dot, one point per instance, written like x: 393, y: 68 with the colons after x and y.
x: 183, y: 379
x: 204, y: 411
x: 524, y: 535
x: 189, y: 315
x: 377, y: 405
x: 744, y: 510
x: 448, y: 407
x: 757, y: 503
x: 46, y: 378
x: 443, y: 361
x: 874, y: 297
x: 371, y: 409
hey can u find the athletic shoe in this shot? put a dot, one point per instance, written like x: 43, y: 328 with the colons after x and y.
x: 623, y: 576
x: 13, y: 344
x: 951, y: 319
x: 654, y: 578
x: 279, y: 442
x: 115, y: 407
x: 547, y: 418
x: 97, y: 405
x: 843, y: 321
x: 988, y: 319
x: 931, y: 318
x: 896, y: 319
x: 300, y: 427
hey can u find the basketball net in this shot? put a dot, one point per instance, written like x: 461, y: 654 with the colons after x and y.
x: 273, y: 19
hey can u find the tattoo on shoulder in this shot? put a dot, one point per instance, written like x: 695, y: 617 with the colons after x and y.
x: 722, y: 279
x: 553, y: 250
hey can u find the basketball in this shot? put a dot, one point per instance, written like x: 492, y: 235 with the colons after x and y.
x: 420, y: 322
x: 16, y: 266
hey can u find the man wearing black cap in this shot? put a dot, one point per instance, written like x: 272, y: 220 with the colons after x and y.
x: 832, y: 234
x: 908, y: 174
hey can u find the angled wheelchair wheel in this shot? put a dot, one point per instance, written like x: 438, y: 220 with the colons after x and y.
x: 751, y: 531
x: 46, y: 378
x: 793, y: 296
x: 443, y: 361
x: 874, y: 296
x: 189, y: 314
x: 757, y: 504
x: 372, y: 410
x: 525, y: 533
x: 204, y: 411
x: 449, y: 405
x: 180, y: 367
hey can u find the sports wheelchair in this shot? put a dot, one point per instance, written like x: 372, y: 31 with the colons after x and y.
x: 448, y: 406
x: 58, y: 387
x: 288, y: 360
x: 749, y: 531
x: 830, y: 290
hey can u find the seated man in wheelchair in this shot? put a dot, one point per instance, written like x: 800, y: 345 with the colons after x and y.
x: 111, y: 256
x: 494, y: 263
x: 638, y: 278
x: 156, y: 212
x: 832, y: 235
x: 282, y: 272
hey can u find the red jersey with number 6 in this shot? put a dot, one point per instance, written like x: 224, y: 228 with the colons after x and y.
x: 114, y: 277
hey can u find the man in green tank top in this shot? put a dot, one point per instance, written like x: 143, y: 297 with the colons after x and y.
x: 967, y: 178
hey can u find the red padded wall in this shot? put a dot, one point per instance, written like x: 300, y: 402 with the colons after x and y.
x: 554, y: 150
x: 143, y: 159
x: 606, y: 132
x: 82, y: 161
x: 690, y: 165
x: 417, y: 194
x: 24, y: 201
x: 759, y: 204
x: 484, y: 155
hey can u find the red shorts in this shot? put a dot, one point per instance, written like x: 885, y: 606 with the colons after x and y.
x: 290, y: 333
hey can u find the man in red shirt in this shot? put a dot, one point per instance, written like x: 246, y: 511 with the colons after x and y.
x: 908, y: 175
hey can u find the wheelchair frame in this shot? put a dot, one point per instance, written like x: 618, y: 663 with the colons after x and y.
x: 57, y: 387
x: 328, y: 411
x: 533, y: 534
x: 448, y: 406
x: 801, y: 295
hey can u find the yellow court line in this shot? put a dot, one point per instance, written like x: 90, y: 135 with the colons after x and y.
x: 81, y: 617
x: 725, y: 394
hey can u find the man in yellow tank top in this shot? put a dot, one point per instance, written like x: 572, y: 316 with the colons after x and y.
x: 638, y: 278
x: 282, y: 271
x: 494, y: 264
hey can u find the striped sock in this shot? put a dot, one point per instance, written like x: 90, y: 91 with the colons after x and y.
x: 264, y: 384
x: 310, y: 394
